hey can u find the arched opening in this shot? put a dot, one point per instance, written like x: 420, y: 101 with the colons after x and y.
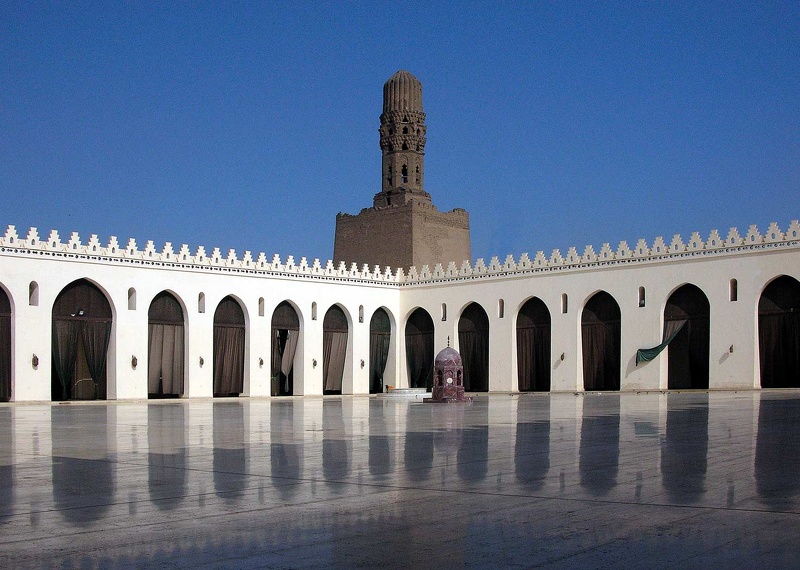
x: 404, y: 169
x: 33, y: 294
x: 82, y: 322
x: 334, y: 349
x: 229, y: 333
x: 419, y: 349
x: 779, y: 333
x: 285, y: 334
x: 166, y: 342
x: 380, y: 334
x: 600, y: 340
x: 473, y: 344
x: 5, y: 347
x: 533, y: 347
x: 687, y: 353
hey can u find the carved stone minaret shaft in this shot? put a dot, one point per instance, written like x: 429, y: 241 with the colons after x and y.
x: 402, y: 139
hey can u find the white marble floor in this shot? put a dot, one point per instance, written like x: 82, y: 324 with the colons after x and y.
x: 684, y: 480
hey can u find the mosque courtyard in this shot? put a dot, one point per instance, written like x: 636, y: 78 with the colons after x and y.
x: 595, y: 480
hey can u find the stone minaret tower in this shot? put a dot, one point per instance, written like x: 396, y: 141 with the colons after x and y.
x: 402, y: 142
x: 403, y: 227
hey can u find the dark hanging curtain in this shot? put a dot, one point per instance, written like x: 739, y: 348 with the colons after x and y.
x: 600, y: 339
x: 671, y: 329
x: 5, y: 347
x: 473, y: 344
x: 95, y: 346
x: 533, y: 347
x: 285, y: 334
x: 81, y: 320
x: 229, y: 332
x: 334, y: 349
x: 419, y: 349
x: 66, y: 335
x: 166, y: 347
x: 379, y: 338
x: 779, y: 334
x: 688, y: 354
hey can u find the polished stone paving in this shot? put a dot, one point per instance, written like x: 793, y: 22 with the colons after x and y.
x: 679, y: 480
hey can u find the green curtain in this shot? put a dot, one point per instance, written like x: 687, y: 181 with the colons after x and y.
x: 671, y: 330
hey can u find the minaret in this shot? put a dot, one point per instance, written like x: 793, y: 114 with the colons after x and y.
x: 402, y: 228
x: 402, y: 141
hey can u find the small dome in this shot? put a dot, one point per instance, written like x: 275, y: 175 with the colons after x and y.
x: 402, y: 92
x: 447, y: 357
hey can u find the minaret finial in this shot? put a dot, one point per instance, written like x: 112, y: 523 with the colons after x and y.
x: 448, y: 341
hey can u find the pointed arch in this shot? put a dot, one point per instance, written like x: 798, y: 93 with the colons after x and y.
x: 285, y: 337
x: 600, y: 341
x: 473, y: 344
x: 82, y: 322
x: 419, y: 349
x: 533, y: 346
x: 335, y: 332
x: 779, y: 333
x: 688, y: 352
x: 229, y: 346
x: 166, y: 353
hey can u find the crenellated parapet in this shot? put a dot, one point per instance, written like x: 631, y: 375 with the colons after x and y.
x: 642, y: 252
x: 184, y: 260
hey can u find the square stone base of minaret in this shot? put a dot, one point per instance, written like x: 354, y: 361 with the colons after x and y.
x: 410, y: 234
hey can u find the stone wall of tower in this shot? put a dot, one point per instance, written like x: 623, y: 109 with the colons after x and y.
x: 410, y: 234
x: 378, y: 236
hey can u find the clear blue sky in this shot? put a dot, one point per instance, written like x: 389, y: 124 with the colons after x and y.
x: 249, y: 126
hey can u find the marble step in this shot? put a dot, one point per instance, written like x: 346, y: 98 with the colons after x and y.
x: 405, y: 393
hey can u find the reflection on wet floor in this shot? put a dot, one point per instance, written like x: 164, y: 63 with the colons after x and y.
x: 644, y: 480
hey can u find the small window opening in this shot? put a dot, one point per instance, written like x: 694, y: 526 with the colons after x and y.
x: 641, y: 297
x: 734, y: 290
x: 33, y: 294
x: 201, y: 303
x: 405, y: 130
x: 404, y: 173
x: 405, y: 146
x: 131, y: 299
x: 501, y: 308
x: 361, y: 313
x: 314, y: 311
x: 444, y: 311
x: 564, y: 303
x: 261, y: 306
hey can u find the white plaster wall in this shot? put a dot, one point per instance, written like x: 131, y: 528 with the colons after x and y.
x: 732, y: 323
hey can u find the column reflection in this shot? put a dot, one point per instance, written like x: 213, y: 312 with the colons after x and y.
x: 684, y: 453
x: 379, y: 455
x: 599, y: 447
x: 83, y: 476
x: 777, y: 458
x: 285, y: 454
x: 166, y: 466
x: 473, y: 449
x: 532, y: 449
x: 230, y: 456
x: 335, y: 458
x: 6, y: 464
x: 418, y: 449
